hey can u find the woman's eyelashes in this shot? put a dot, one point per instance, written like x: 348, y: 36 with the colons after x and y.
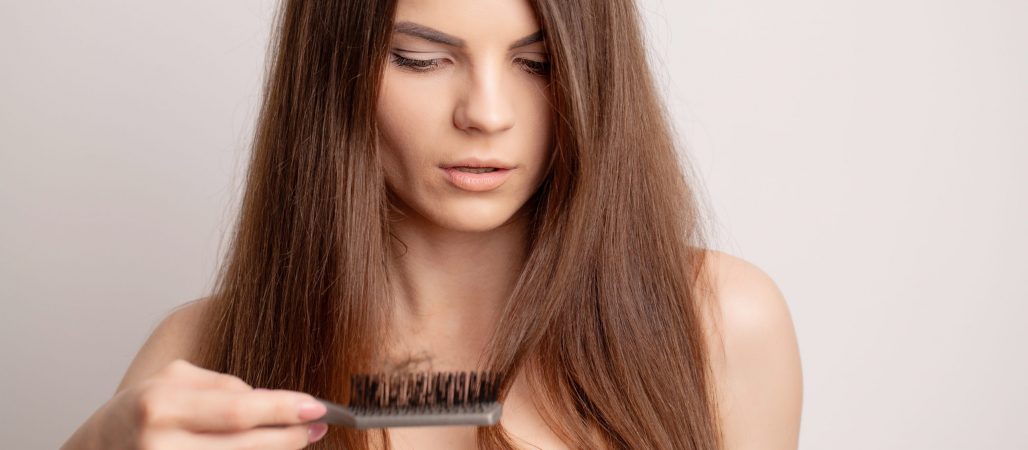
x: 541, y: 68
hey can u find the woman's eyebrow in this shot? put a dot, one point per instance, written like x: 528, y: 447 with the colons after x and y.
x: 433, y: 35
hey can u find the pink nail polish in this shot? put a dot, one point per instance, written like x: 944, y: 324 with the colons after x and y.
x: 311, y: 410
x: 316, y: 431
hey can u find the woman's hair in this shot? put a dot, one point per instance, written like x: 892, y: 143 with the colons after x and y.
x: 606, y: 319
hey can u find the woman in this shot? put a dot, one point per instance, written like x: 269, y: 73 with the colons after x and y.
x: 367, y: 242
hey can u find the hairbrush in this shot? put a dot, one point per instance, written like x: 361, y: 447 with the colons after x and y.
x: 418, y: 399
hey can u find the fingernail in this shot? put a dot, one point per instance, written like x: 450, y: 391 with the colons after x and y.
x: 316, y: 431
x: 310, y: 410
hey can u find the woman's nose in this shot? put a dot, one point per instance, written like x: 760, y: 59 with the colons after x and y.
x: 485, y: 105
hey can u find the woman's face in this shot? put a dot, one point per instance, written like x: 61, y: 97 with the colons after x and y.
x: 465, y: 84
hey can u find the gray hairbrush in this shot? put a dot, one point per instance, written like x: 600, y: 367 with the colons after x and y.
x: 417, y: 400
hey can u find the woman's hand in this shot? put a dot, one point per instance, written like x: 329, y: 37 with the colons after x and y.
x: 184, y: 406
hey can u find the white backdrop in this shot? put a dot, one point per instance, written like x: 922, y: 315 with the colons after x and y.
x: 867, y: 154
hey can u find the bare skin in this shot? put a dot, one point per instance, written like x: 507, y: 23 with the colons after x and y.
x: 479, y: 100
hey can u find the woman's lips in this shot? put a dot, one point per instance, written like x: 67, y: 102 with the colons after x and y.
x: 477, y: 182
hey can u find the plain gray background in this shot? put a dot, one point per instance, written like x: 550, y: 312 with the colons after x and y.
x: 868, y: 154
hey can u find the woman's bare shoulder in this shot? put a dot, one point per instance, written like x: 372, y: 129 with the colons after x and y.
x: 754, y: 356
x: 173, y: 338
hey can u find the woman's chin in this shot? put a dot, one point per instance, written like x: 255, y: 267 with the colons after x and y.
x: 472, y: 219
x: 465, y: 215
x: 478, y: 224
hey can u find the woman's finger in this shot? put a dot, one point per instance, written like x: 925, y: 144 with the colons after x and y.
x: 204, y: 410
x: 271, y: 438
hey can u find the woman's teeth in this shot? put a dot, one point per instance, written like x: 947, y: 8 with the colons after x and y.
x: 475, y: 169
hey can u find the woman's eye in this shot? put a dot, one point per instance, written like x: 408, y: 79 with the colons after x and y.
x: 418, y: 65
x: 541, y: 68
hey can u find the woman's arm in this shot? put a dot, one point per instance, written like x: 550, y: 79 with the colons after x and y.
x: 758, y: 372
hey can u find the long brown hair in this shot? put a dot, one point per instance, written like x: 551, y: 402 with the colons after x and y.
x: 605, y: 321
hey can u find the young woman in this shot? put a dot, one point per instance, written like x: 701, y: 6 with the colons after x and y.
x: 367, y: 241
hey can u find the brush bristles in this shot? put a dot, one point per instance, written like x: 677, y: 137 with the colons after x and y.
x: 422, y: 391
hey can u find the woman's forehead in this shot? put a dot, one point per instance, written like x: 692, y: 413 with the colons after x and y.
x: 429, y: 34
x: 463, y: 23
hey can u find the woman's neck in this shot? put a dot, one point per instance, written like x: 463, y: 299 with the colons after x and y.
x: 449, y: 287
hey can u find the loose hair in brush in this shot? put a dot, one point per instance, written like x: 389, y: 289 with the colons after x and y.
x: 605, y: 319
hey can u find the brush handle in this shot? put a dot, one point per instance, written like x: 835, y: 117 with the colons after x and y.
x: 337, y: 414
x: 484, y: 415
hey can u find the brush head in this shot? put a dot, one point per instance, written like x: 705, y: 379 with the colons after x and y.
x: 419, y: 399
